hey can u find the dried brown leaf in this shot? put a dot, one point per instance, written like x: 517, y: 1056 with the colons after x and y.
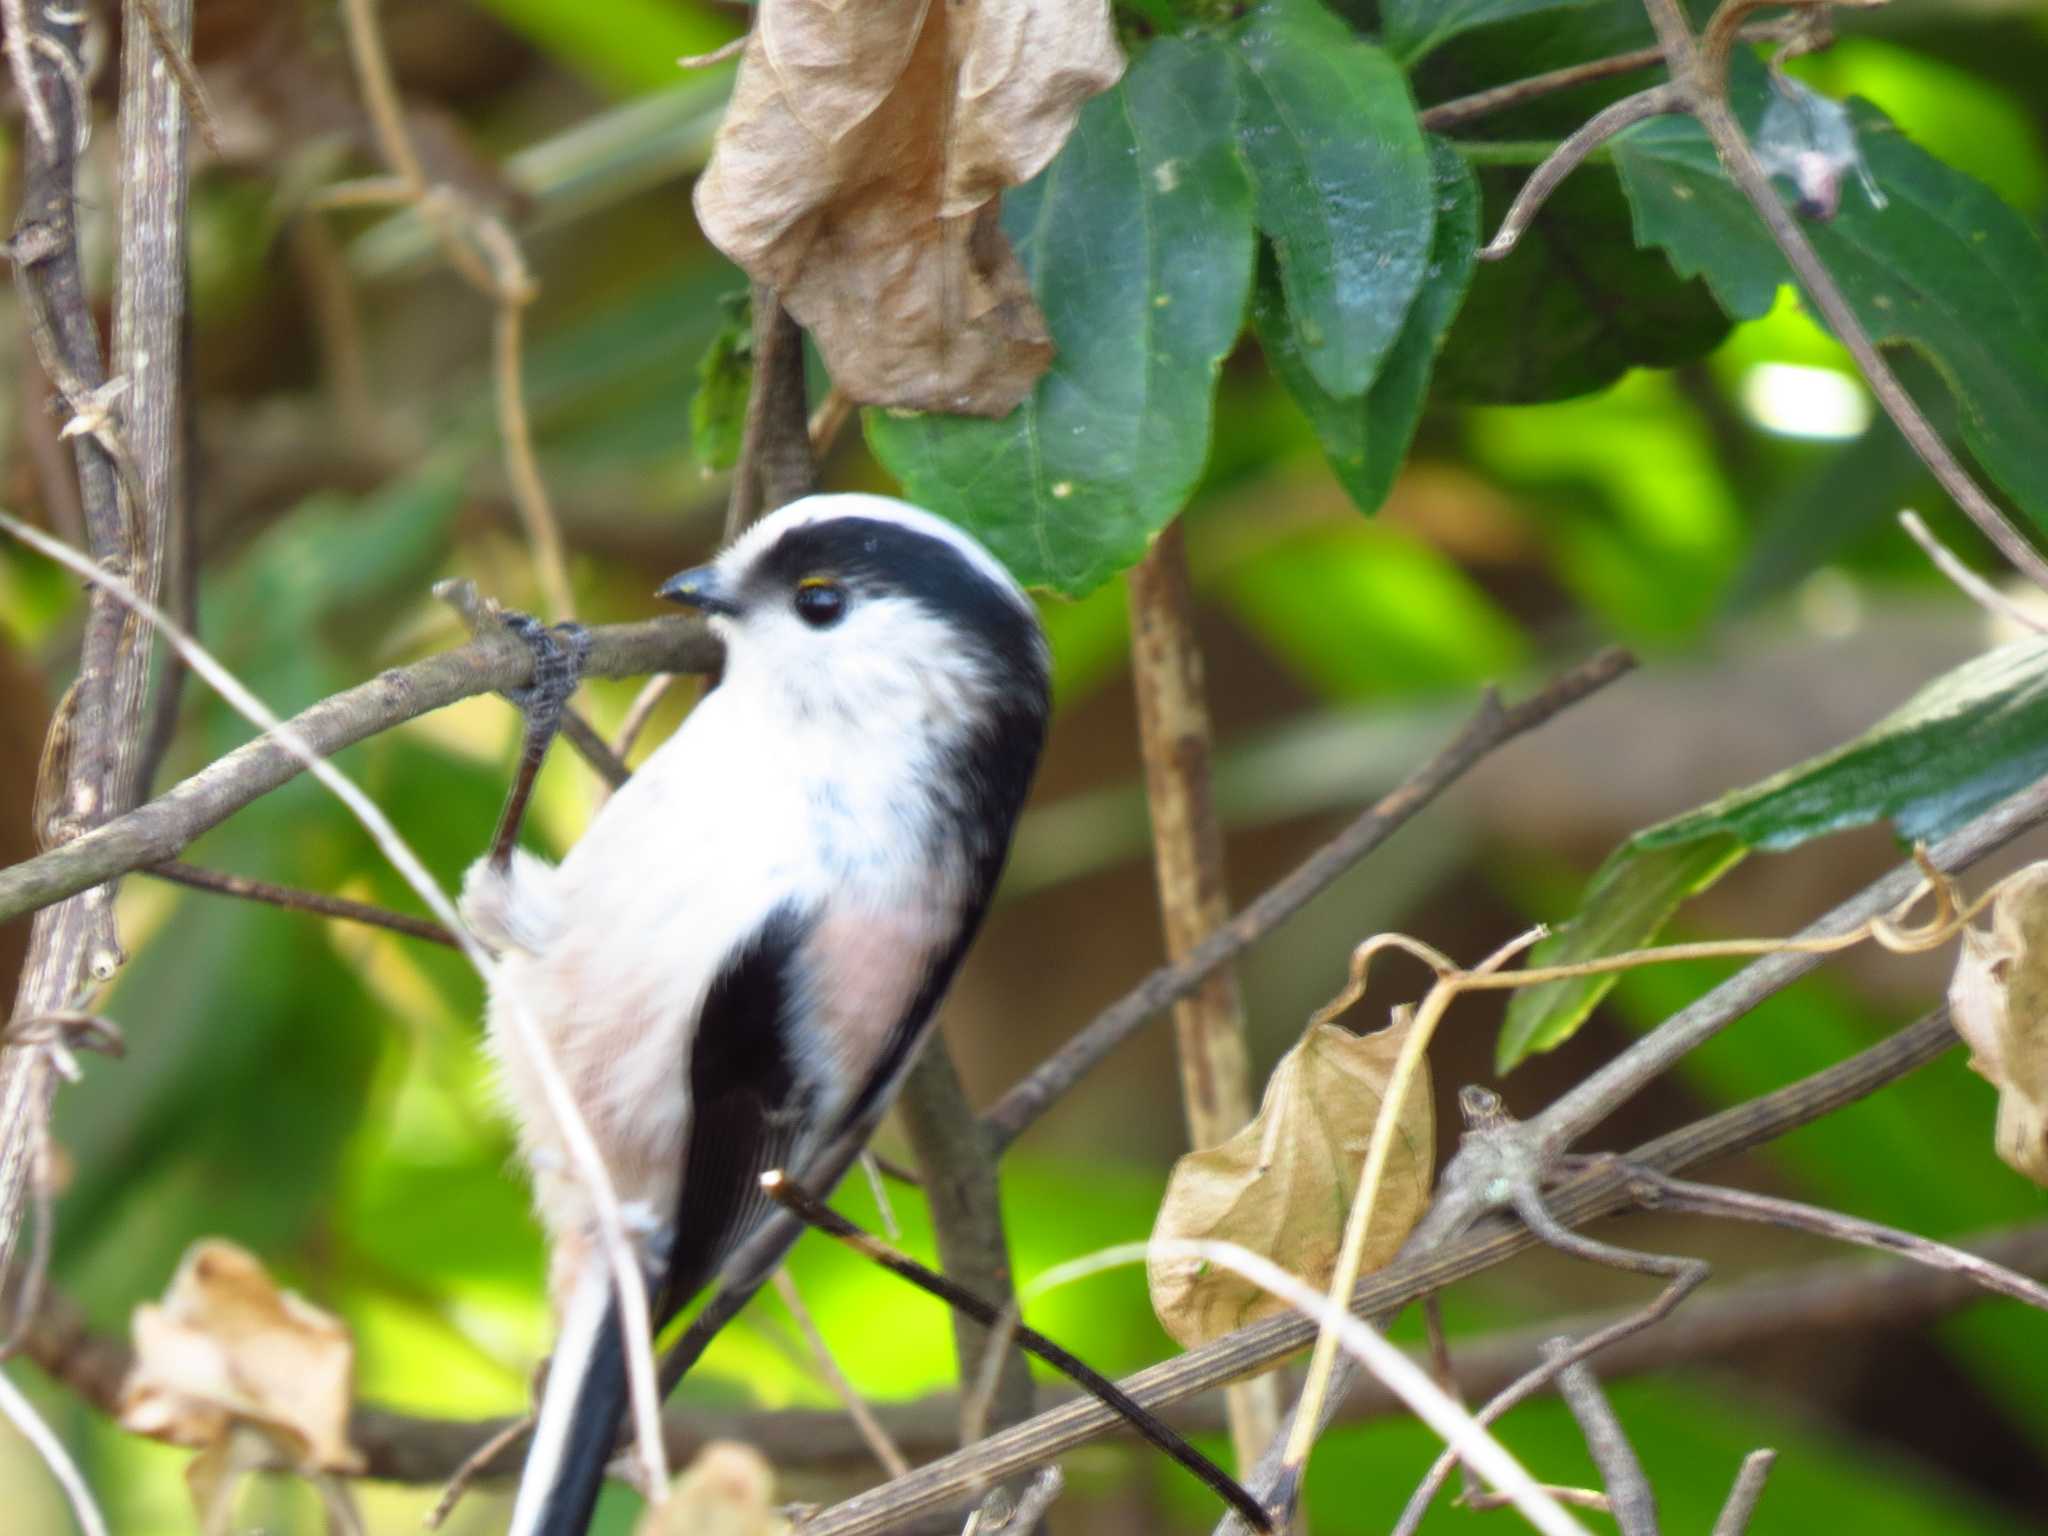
x: 225, y: 1347
x: 729, y: 1490
x: 1283, y: 1185
x: 859, y: 172
x: 1999, y: 1002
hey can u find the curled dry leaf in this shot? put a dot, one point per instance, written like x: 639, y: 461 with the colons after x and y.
x: 859, y: 172
x: 729, y: 1490
x: 1283, y: 1185
x: 1999, y: 1002
x: 226, y: 1347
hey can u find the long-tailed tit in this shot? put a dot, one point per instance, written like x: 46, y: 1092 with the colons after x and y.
x: 736, y: 964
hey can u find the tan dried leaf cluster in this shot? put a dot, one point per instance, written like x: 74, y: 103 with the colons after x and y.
x: 729, y: 1490
x: 859, y: 172
x: 1283, y: 1185
x: 1998, y: 1000
x: 227, y: 1347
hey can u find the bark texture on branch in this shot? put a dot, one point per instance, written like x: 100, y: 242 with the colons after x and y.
x: 127, y: 435
x: 1837, y: 1296
x: 1194, y: 898
x: 491, y: 663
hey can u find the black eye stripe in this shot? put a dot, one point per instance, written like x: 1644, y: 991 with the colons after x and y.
x: 820, y: 604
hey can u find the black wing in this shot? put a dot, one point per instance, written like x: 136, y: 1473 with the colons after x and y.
x: 748, y: 1108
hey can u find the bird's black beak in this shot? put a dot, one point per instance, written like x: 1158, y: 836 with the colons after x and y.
x: 701, y: 588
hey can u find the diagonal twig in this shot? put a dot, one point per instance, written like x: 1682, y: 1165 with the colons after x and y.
x: 1585, y: 1195
x: 815, y: 1213
x: 1661, y: 1191
x: 1629, y: 1497
x: 1178, y: 745
x: 1491, y: 728
x: 586, y: 1162
x: 1656, y: 101
x: 490, y: 663
x: 292, y: 899
x: 1742, y: 1498
x: 1699, y: 70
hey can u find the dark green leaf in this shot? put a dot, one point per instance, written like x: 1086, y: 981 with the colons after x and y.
x: 1575, y: 307
x: 1366, y: 439
x: 1630, y: 899
x: 1944, y: 267
x: 725, y: 374
x: 1507, y: 51
x: 1342, y: 180
x: 1958, y: 746
x: 1138, y: 239
x: 1416, y: 26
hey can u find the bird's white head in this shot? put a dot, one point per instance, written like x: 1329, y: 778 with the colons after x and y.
x: 867, y: 611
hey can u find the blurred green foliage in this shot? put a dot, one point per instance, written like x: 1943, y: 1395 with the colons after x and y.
x: 1564, y: 447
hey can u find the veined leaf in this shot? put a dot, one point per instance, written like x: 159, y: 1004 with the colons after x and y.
x: 1342, y: 179
x: 1367, y: 438
x: 1138, y: 239
x: 1630, y: 899
x: 1957, y: 747
x: 1944, y: 267
x: 1575, y: 307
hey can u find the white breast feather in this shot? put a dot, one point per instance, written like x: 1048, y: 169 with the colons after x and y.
x: 766, y: 798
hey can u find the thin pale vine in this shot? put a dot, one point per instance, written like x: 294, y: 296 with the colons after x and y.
x: 1890, y: 930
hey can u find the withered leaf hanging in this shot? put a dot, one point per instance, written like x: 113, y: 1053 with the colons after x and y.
x: 860, y: 169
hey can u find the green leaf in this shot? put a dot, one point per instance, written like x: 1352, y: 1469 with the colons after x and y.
x: 1365, y: 610
x: 1138, y: 239
x: 1944, y: 267
x: 1958, y: 746
x: 1953, y: 750
x: 1630, y: 899
x: 627, y: 46
x: 725, y: 375
x: 1366, y: 439
x: 1576, y: 306
x: 1342, y: 181
x: 1414, y: 27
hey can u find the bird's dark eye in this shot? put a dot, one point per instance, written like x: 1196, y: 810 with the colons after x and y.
x: 820, y: 603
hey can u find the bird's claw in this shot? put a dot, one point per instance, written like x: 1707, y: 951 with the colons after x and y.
x: 560, y: 652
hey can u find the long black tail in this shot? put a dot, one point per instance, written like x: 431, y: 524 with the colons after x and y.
x: 580, y: 1414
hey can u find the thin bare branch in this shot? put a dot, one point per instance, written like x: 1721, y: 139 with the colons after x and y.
x: 474, y: 1466
x: 127, y: 433
x: 586, y: 1162
x: 19, y: 1412
x: 484, y: 253
x: 177, y: 57
x: 1463, y: 109
x: 1742, y: 1498
x: 1584, y: 1196
x: 960, y: 1187
x: 1699, y: 73
x: 294, y: 900
x: 1657, y: 101
x: 1683, y: 1277
x: 1194, y: 900
x: 857, y: 1408
x: 1665, y: 1192
x: 775, y: 464
x: 1838, y: 1296
x: 491, y: 663
x: 1629, y: 1497
x: 1967, y: 581
x: 1490, y: 729
x: 816, y: 1214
